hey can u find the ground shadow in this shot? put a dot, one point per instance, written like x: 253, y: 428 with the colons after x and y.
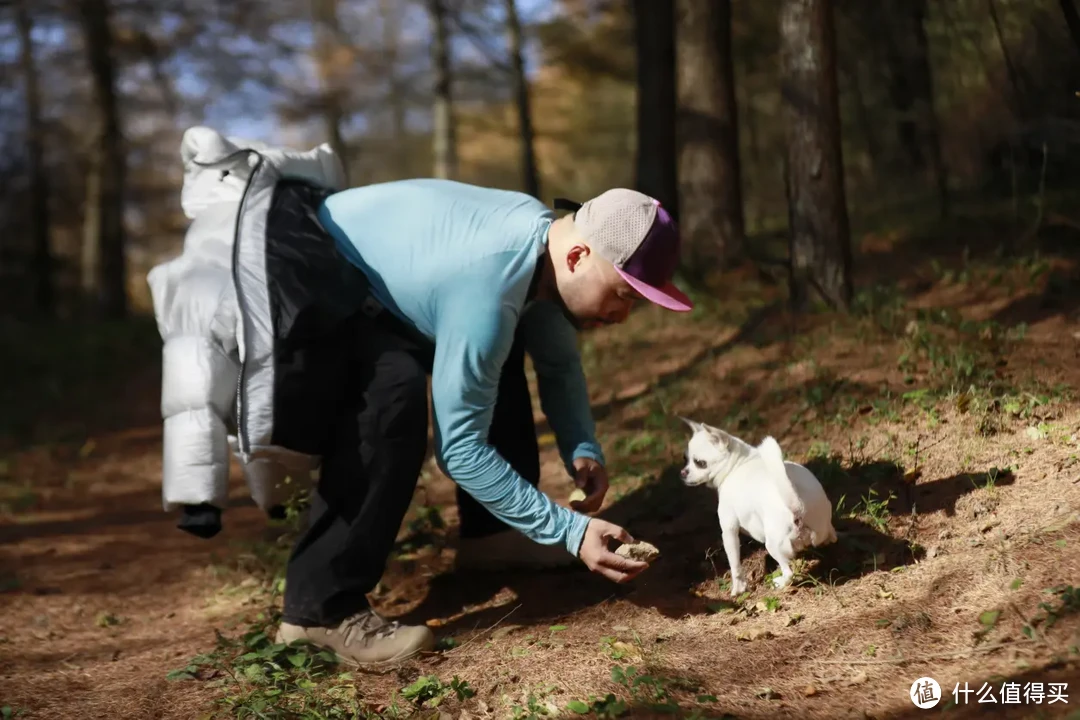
x: 879, y: 490
x: 861, y: 548
x: 139, y: 507
x: 681, y: 522
x: 664, y: 512
x: 684, y: 519
x: 538, y: 598
x: 1060, y: 296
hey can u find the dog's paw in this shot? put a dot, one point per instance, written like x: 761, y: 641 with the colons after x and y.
x: 738, y: 586
x: 780, y: 581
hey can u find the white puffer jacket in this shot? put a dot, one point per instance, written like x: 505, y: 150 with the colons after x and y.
x: 214, y: 355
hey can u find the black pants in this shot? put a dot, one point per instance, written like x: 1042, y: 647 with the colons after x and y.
x: 371, y: 463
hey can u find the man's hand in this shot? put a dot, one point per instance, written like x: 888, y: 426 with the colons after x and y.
x: 595, y: 554
x: 591, y: 477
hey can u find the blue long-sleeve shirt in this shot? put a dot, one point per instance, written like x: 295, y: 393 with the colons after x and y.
x: 455, y: 261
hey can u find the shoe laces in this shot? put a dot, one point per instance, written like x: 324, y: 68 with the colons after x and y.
x: 366, y: 625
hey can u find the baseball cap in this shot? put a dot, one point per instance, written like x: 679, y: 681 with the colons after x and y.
x: 638, y: 236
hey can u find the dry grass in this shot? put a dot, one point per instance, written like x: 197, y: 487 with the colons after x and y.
x: 974, y: 509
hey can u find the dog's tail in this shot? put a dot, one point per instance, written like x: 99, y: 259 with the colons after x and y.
x: 773, y: 457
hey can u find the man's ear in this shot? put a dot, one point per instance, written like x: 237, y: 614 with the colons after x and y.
x: 577, y: 253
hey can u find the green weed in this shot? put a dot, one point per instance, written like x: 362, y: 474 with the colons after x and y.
x: 1067, y: 603
x: 259, y: 678
x: 429, y: 691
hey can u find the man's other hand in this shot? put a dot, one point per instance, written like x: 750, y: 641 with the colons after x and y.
x: 595, y: 554
x: 590, y: 477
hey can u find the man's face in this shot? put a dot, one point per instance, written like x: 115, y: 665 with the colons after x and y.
x: 592, y: 291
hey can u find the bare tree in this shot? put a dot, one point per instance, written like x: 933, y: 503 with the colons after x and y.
x: 329, y: 62
x: 817, y: 204
x: 104, y: 265
x: 45, y: 294
x: 444, y: 132
x: 710, y: 178
x: 521, y: 92
x: 654, y: 29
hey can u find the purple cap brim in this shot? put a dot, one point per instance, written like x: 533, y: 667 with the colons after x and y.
x: 650, y: 268
x: 668, y: 296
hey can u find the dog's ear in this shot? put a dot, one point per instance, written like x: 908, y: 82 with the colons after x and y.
x: 695, y: 426
x: 718, y: 436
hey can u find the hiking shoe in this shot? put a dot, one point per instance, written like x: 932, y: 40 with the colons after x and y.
x: 509, y: 550
x: 365, y: 638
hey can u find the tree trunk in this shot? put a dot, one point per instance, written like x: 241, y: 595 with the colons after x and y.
x: 45, y: 294
x: 328, y: 62
x: 1010, y: 68
x: 521, y: 90
x: 654, y: 26
x: 710, y: 178
x: 912, y: 91
x: 105, y: 219
x: 444, y: 133
x: 1072, y: 20
x: 391, y: 19
x: 90, y: 261
x: 817, y: 206
x: 918, y: 62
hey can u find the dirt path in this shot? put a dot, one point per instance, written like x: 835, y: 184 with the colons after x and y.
x: 111, y: 597
x: 105, y: 595
x: 958, y: 513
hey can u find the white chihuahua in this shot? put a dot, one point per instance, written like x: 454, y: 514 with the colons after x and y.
x: 776, y: 502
